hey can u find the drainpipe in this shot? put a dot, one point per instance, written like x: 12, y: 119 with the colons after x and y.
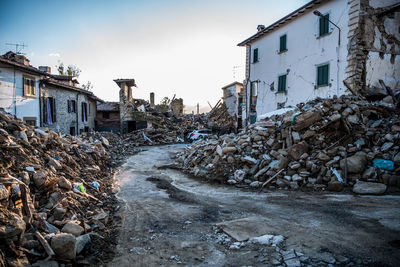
x: 77, y: 115
x: 15, y: 94
x: 40, y: 101
x: 247, y: 83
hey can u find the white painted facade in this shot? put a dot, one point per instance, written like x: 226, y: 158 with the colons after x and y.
x: 305, y: 51
x: 231, y: 96
x: 12, y: 98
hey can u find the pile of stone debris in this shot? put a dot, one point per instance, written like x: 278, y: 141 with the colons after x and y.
x: 55, y: 194
x: 323, y: 144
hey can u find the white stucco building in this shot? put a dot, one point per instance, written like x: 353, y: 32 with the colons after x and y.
x: 19, y: 88
x: 311, y: 51
x: 232, y: 95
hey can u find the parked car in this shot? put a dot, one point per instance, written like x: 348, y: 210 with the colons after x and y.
x: 198, y: 134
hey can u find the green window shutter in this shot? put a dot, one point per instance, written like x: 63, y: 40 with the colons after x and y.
x: 282, y: 46
x: 255, y: 55
x: 282, y: 83
x: 323, y: 75
x: 324, y: 25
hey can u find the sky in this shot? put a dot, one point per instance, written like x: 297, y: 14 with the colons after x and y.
x: 186, y: 48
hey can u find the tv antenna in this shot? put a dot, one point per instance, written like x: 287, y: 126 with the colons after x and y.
x: 18, y: 48
x: 235, y: 72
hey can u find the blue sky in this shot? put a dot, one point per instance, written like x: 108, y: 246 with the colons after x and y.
x: 187, y: 48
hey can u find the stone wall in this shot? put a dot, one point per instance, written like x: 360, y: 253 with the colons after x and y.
x: 64, y: 119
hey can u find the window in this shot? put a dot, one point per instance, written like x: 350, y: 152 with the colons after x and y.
x: 72, y: 130
x: 282, y: 43
x: 282, y: 83
x: 29, y: 86
x: 323, y: 75
x: 324, y: 25
x: 253, y: 95
x: 84, y: 112
x: 255, y: 55
x: 49, y: 110
x: 71, y: 106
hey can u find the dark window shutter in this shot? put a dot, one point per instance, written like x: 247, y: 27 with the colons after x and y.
x: 282, y: 46
x: 44, y: 101
x: 83, y: 106
x: 255, y: 55
x: 53, y: 110
x: 75, y: 106
x: 69, y: 106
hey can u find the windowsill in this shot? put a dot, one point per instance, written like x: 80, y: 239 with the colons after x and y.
x: 283, y: 51
x: 322, y: 36
x: 30, y: 96
x: 255, y: 62
x: 323, y: 85
x: 281, y: 92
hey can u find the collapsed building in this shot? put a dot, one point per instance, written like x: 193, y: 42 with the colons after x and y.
x: 348, y: 45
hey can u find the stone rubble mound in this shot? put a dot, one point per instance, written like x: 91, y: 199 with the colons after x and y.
x: 55, y: 194
x: 323, y: 144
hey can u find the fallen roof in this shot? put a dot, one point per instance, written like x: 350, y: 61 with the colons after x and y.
x: 69, y: 87
x: 64, y: 78
x: 298, y: 12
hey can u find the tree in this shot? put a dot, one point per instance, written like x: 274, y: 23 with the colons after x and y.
x: 88, y: 86
x: 60, y: 68
x: 73, y: 70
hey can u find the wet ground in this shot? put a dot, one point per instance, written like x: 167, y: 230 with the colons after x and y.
x: 169, y: 219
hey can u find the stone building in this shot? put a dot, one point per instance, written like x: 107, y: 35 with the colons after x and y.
x: 322, y: 49
x: 177, y: 106
x: 108, y: 117
x: 66, y: 108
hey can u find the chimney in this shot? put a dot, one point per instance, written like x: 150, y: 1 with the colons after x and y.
x: 152, y: 100
x: 22, y: 60
x: 260, y: 27
x: 46, y: 69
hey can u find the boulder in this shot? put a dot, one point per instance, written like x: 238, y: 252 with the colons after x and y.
x: 64, y: 183
x: 104, y: 141
x: 229, y: 149
x: 367, y: 188
x: 356, y: 163
x: 298, y: 149
x: 81, y: 242
x: 39, y: 178
x: 72, y: 228
x: 64, y: 245
x: 335, y: 186
x: 55, y: 163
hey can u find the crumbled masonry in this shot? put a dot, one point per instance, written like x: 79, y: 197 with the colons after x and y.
x: 324, y: 144
x: 54, y: 191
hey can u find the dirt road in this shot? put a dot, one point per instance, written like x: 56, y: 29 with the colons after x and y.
x: 169, y: 219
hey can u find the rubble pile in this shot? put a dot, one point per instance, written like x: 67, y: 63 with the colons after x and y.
x: 323, y: 144
x: 220, y: 116
x: 55, y: 194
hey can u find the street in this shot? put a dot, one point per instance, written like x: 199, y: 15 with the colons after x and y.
x: 170, y: 219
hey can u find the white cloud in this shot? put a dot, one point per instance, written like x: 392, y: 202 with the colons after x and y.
x: 54, y: 55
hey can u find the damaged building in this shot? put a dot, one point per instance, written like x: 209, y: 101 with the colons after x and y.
x: 232, y: 96
x: 348, y: 46
x: 130, y: 119
x: 108, y: 117
x: 43, y: 99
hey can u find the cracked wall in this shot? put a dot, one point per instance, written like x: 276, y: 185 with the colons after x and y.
x: 374, y: 46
